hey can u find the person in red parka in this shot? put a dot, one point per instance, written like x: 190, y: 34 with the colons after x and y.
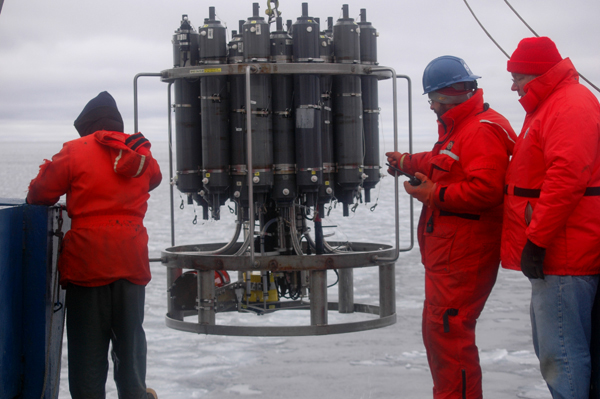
x: 551, y: 226
x: 462, y: 182
x: 107, y: 176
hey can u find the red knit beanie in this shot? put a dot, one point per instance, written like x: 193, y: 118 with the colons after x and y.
x: 534, y: 56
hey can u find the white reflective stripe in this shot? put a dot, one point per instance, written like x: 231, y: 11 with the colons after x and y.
x: 141, y: 166
x: 450, y: 154
x: 117, y: 159
x: 501, y: 127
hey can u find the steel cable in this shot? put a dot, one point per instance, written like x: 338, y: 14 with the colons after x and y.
x: 527, y: 25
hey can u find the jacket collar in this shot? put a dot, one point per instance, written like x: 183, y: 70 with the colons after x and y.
x: 458, y: 114
x: 540, y: 88
x: 463, y: 110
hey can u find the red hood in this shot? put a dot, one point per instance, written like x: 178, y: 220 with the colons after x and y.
x: 129, y: 151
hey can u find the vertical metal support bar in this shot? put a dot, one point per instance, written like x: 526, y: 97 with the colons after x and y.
x: 135, y: 128
x: 206, y: 297
x: 318, y: 297
x: 410, y: 150
x: 172, y: 275
x: 387, y: 289
x: 396, y: 196
x: 410, y: 140
x: 170, y: 129
x: 246, y: 232
x: 135, y: 98
x: 250, y: 167
x: 346, y: 291
x: 304, y: 283
x: 135, y: 103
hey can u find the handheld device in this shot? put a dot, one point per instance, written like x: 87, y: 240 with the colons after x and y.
x: 413, y: 181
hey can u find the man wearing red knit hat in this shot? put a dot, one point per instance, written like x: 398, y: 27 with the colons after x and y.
x: 462, y: 183
x: 551, y: 229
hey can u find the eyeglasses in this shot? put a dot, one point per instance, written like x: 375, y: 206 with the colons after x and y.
x: 520, y: 78
x: 430, y: 102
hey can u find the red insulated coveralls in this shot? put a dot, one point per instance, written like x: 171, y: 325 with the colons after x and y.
x: 107, y: 177
x: 460, y: 238
x: 553, y: 181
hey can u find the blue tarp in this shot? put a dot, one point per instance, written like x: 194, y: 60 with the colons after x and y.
x: 28, y: 294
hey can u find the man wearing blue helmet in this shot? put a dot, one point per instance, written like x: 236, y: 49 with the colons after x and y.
x: 462, y: 182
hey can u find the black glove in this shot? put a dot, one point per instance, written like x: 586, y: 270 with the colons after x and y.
x: 532, y: 260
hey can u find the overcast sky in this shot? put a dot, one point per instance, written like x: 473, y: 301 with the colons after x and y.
x: 58, y: 54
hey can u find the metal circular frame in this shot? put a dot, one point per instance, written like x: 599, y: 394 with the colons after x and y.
x: 192, y: 257
x: 287, y: 331
x: 200, y: 258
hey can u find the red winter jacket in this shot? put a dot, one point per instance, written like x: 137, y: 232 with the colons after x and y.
x: 468, y: 163
x: 107, y: 177
x: 553, y: 181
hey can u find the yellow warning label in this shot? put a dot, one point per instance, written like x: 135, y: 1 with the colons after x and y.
x: 205, y: 70
x: 207, y: 175
x: 256, y: 173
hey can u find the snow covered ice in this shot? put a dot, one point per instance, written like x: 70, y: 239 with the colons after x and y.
x: 383, y: 363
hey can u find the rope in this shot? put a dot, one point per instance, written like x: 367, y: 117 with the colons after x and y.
x: 536, y: 35
x: 486, y: 32
x: 522, y: 20
x: 527, y: 25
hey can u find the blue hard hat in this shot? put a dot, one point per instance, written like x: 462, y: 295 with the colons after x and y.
x: 445, y: 71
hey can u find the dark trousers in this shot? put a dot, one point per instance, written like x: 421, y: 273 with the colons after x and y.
x: 595, y: 349
x: 97, y: 316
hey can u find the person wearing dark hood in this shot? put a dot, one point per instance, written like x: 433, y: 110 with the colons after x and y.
x: 107, y: 176
x: 462, y: 182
